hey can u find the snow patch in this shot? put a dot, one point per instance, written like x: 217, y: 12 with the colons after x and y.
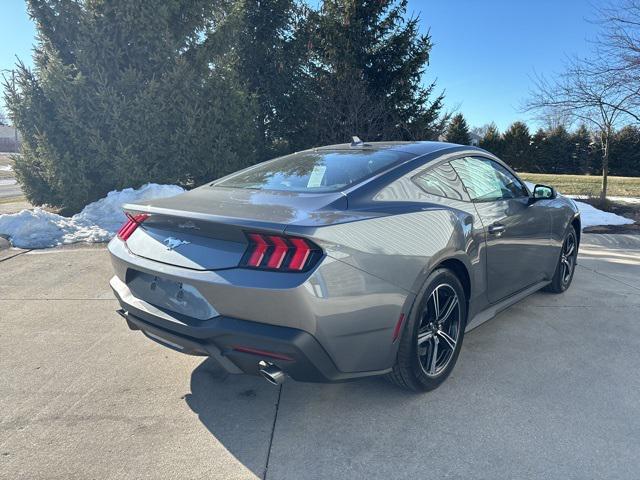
x: 6, y: 168
x: 97, y: 222
x: 590, y: 216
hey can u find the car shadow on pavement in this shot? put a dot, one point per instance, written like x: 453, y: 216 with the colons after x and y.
x: 239, y: 410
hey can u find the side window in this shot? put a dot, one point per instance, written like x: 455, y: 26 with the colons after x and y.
x: 487, y: 180
x: 442, y: 181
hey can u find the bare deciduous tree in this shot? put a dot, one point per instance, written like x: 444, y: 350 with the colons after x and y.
x: 482, y: 130
x: 587, y: 93
x: 619, y: 42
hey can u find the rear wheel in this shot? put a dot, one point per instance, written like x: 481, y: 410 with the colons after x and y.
x: 566, y: 263
x: 432, y: 337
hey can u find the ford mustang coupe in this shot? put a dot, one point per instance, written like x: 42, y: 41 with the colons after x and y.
x: 343, y: 262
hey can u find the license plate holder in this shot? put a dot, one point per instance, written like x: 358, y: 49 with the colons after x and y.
x: 169, y: 294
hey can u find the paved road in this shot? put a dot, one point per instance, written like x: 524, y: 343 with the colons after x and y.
x: 9, y: 188
x: 548, y: 389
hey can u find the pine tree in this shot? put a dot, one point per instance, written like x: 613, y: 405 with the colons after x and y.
x: 552, y: 151
x: 582, y: 156
x: 517, y: 145
x: 625, y: 152
x: 366, y: 64
x: 122, y: 94
x: 538, y: 152
x: 492, y: 141
x: 264, y: 41
x: 458, y: 130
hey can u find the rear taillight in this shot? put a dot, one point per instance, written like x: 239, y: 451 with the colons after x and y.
x: 133, y: 222
x: 275, y: 252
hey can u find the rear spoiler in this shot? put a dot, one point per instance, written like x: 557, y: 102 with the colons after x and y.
x: 201, y: 218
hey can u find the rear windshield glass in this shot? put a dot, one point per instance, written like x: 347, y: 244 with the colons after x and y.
x: 319, y: 171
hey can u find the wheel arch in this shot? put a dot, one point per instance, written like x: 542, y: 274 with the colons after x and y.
x: 453, y: 264
x: 576, y: 223
x: 460, y: 270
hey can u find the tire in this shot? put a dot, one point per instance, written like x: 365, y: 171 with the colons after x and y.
x: 566, y: 265
x: 423, y: 338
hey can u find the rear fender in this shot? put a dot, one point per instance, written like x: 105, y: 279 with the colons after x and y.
x: 400, y: 249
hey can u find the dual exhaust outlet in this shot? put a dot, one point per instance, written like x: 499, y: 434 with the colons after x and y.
x: 271, y: 373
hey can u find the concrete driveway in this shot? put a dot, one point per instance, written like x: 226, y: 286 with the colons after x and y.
x: 548, y: 389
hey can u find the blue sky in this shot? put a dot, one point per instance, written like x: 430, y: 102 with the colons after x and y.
x: 484, y: 55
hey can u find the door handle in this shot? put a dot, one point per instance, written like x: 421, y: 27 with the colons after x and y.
x: 497, y: 228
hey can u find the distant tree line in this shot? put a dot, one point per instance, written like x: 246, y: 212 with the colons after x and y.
x: 184, y: 91
x: 602, y: 89
x: 555, y: 149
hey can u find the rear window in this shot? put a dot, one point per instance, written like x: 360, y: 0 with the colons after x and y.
x: 315, y: 171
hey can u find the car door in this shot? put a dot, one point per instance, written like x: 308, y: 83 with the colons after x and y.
x: 517, y: 231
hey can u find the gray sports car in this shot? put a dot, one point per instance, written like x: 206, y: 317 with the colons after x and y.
x: 344, y: 261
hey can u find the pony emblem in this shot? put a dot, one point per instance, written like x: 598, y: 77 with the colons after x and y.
x: 173, y: 243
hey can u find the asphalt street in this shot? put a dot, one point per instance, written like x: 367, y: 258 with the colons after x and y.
x: 9, y: 188
x: 548, y: 389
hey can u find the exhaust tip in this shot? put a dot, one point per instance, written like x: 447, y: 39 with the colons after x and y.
x: 272, y: 374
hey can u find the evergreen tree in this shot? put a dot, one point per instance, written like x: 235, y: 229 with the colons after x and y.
x: 517, y: 146
x: 366, y: 64
x: 553, y: 153
x: 492, y: 141
x: 458, y: 131
x: 122, y: 94
x: 625, y: 152
x: 583, y: 155
x: 538, y: 152
x: 265, y: 41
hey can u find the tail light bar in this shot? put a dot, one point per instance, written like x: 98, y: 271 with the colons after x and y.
x: 280, y: 253
x: 133, y: 222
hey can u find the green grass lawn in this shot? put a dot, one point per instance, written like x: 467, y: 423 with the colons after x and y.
x: 586, y: 184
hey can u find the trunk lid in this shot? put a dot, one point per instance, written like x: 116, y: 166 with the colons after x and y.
x: 204, y: 229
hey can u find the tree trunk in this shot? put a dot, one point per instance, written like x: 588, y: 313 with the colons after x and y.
x: 605, y: 166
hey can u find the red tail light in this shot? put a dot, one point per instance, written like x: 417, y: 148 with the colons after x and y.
x: 274, y: 252
x: 133, y: 222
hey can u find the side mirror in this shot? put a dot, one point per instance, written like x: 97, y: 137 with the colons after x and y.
x: 543, y: 192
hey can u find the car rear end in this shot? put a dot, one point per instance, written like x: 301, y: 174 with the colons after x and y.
x: 215, y: 272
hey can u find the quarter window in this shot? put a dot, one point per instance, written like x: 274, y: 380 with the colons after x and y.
x: 487, y: 180
x: 442, y: 181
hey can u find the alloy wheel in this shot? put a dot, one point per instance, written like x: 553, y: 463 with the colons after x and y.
x: 568, y: 258
x: 439, y: 329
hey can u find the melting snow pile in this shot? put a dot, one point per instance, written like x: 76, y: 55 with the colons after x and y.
x: 97, y: 222
x: 590, y: 216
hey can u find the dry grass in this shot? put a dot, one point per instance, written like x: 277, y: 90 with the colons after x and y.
x: 586, y: 184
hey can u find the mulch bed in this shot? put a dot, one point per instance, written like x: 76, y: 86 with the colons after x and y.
x: 632, y: 228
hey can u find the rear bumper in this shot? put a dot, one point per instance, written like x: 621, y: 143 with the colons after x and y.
x: 237, y: 345
x: 349, y: 312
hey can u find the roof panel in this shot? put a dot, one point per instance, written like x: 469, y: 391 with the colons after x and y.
x: 415, y: 148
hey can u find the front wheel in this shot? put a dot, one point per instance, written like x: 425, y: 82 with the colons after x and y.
x: 566, y: 263
x: 432, y: 337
